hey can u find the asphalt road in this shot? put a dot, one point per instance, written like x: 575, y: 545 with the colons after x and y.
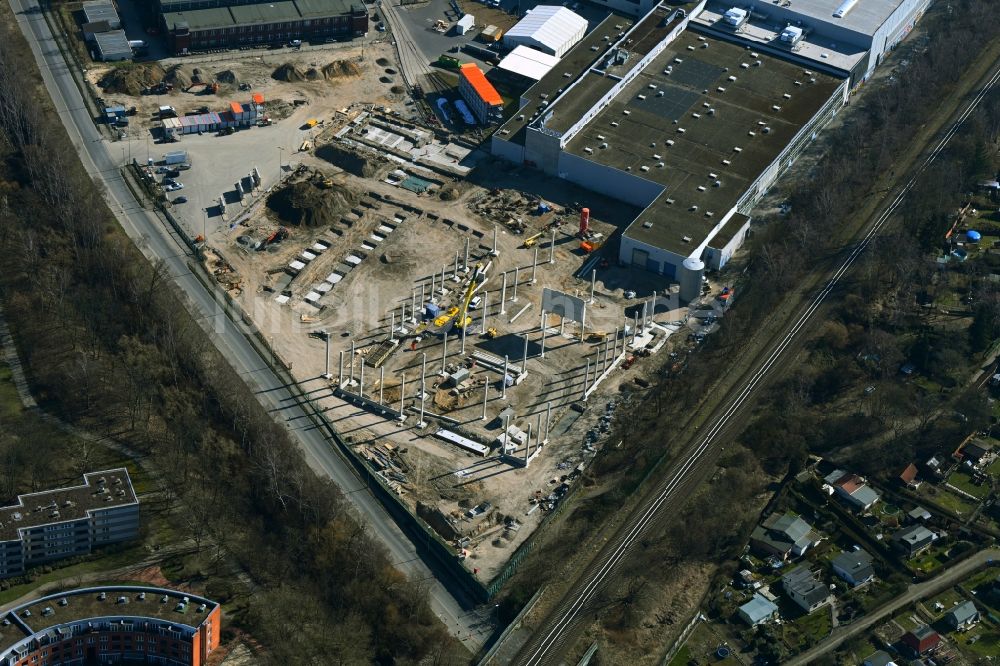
x: 557, y: 632
x: 102, y: 161
x: 914, y: 593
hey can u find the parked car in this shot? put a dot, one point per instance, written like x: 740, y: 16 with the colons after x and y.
x: 295, y: 43
x: 180, y: 200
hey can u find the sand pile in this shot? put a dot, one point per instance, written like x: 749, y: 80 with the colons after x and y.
x: 308, y: 204
x: 288, y: 73
x: 132, y: 79
x: 179, y: 76
x: 340, y: 69
x: 227, y: 76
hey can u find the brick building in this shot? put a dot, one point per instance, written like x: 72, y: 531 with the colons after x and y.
x: 66, y: 522
x: 105, y: 625
x: 194, y: 25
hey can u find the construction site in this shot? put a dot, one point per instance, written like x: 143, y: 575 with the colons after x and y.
x: 471, y: 344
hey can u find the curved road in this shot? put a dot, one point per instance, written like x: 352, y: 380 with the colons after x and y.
x: 915, y: 592
x: 557, y: 631
x: 149, y: 233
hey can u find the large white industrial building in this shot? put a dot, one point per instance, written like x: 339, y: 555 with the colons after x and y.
x: 844, y: 37
x: 549, y: 29
x: 692, y: 122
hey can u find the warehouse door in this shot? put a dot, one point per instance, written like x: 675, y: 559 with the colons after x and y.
x: 639, y: 257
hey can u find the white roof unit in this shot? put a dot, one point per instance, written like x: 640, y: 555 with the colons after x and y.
x: 791, y: 35
x: 547, y: 28
x: 735, y: 17
x: 845, y: 7
x: 528, y: 62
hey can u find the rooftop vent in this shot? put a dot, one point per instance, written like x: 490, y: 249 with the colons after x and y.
x: 721, y: 89
x: 807, y: 72
x: 660, y: 165
x: 693, y: 208
x: 690, y: 47
x: 776, y: 108
x: 717, y: 183
x: 695, y: 115
x: 567, y: 75
x: 745, y: 65
x: 687, y: 239
x: 701, y: 188
x: 706, y: 104
x: 711, y: 111
x: 626, y: 112
x: 732, y: 78
x: 604, y: 145
x: 640, y: 96
x: 656, y: 157
x: 704, y: 46
x: 670, y: 142
x: 681, y: 130
x: 670, y: 202
x: 757, y: 63
x: 767, y: 130
x: 700, y: 38
x: 595, y: 48
x: 737, y: 149
x: 726, y: 162
x: 754, y: 54
x: 588, y: 150
x: 798, y: 83
x: 600, y: 137
x: 652, y: 86
x: 712, y: 175
x: 752, y: 133
x: 614, y: 123
x: 678, y: 60
x: 659, y: 93
x: 647, y: 225
x: 644, y: 168
x: 787, y: 96
x: 709, y: 213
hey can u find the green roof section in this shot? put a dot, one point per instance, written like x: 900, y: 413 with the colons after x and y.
x: 274, y: 12
x: 201, y: 19
x: 322, y: 8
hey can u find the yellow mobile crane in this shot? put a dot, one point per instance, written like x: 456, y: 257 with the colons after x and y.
x: 478, y: 280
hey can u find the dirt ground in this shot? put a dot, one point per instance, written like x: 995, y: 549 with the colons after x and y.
x: 334, y: 86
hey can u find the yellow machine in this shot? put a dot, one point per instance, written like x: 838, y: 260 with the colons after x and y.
x: 477, y: 281
x: 446, y: 317
x: 531, y: 240
x: 490, y: 333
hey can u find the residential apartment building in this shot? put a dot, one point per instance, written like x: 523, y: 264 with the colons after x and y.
x: 66, y: 522
x: 482, y: 97
x: 111, y: 625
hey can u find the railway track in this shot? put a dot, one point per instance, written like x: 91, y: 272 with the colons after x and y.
x: 555, y: 634
x: 412, y: 63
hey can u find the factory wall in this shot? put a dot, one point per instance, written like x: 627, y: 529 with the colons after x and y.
x: 715, y: 257
x: 542, y: 151
x: 649, y: 257
x: 508, y: 150
x: 615, y: 183
x: 895, y: 28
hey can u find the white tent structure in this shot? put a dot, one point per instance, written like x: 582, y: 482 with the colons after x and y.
x: 528, y: 62
x: 549, y: 29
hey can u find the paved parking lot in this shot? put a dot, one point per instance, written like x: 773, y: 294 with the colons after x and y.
x: 217, y: 162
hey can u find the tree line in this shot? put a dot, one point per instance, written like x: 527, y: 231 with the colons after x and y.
x: 108, y: 346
